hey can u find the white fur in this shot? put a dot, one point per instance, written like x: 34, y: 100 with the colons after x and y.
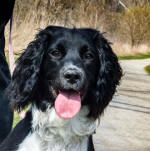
x: 51, y: 133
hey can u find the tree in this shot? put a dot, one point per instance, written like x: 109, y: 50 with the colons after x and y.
x: 135, y: 24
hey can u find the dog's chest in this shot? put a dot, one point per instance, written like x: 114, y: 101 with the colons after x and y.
x: 51, y: 133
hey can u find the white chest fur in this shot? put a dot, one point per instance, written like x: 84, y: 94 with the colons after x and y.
x: 51, y: 133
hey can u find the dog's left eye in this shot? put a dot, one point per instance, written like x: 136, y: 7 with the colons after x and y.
x: 56, y: 53
x: 87, y: 56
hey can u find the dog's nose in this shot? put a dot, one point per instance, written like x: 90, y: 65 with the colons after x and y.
x: 72, y: 76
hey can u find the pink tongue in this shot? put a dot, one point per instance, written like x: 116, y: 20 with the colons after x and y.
x: 67, y: 105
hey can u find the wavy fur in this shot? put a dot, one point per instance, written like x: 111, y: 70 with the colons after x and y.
x: 39, y: 73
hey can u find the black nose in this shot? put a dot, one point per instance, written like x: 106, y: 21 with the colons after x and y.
x: 72, y: 76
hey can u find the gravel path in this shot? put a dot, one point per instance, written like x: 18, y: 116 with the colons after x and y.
x: 125, y: 125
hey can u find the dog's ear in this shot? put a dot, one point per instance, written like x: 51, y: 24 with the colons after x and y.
x: 26, y: 73
x: 109, y: 75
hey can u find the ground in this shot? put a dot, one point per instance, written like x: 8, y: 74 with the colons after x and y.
x: 125, y: 125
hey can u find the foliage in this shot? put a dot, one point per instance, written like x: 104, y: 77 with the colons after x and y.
x: 124, y: 26
x: 135, y: 25
x: 17, y: 119
x: 141, y: 56
x: 147, y: 69
x: 91, y: 13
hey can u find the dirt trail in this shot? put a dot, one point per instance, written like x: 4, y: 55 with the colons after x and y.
x: 125, y: 125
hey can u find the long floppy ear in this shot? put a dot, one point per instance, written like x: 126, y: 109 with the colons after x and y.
x: 109, y: 75
x: 26, y: 73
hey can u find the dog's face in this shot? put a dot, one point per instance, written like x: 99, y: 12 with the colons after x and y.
x: 71, y: 63
x: 75, y: 63
x: 70, y: 66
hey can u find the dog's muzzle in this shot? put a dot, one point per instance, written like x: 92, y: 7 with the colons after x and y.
x: 72, y: 77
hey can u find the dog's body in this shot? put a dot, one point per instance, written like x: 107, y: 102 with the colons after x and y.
x: 69, y: 76
x: 47, y: 132
x: 52, y: 133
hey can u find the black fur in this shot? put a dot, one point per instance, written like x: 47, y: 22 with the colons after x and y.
x: 38, y: 70
x: 17, y: 135
x: 6, y: 114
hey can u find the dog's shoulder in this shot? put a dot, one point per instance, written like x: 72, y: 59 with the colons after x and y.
x: 80, y: 125
x: 49, y: 132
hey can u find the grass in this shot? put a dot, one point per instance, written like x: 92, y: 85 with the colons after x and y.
x: 140, y: 56
x: 147, y: 69
x: 7, y: 58
x: 17, y: 118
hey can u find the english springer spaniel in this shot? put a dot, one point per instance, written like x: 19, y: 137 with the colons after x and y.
x: 68, y: 76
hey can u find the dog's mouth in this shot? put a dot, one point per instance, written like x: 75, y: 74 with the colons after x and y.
x: 67, y: 103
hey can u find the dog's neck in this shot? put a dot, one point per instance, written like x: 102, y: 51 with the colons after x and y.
x: 69, y: 134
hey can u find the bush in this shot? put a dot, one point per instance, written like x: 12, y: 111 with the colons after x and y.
x: 91, y: 13
x: 122, y: 26
x: 135, y: 25
x: 147, y: 69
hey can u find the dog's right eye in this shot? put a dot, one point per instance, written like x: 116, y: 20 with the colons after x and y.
x: 56, y: 53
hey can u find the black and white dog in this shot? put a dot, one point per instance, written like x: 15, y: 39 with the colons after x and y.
x: 68, y: 76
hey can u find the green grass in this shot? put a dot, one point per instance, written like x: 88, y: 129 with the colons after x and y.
x: 17, y: 118
x: 147, y: 69
x: 140, y: 56
x: 7, y: 58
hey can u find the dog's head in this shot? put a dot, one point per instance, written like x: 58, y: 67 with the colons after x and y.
x: 66, y: 67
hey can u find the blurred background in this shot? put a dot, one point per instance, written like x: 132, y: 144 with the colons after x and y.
x: 126, y: 22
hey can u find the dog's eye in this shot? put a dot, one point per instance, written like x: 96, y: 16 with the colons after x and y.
x: 56, y: 53
x: 88, y: 56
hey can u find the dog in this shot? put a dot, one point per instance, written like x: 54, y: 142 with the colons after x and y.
x: 69, y: 76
